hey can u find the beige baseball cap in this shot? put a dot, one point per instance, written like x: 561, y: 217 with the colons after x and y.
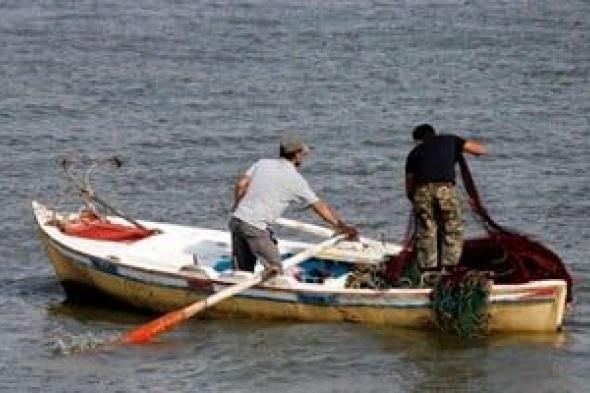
x: 292, y: 143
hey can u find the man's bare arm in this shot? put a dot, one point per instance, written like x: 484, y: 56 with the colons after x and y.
x: 324, y: 211
x: 240, y: 189
x: 474, y: 147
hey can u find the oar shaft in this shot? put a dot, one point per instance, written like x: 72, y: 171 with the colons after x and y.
x: 221, y: 295
x: 316, y: 229
x: 302, y: 256
x: 305, y: 227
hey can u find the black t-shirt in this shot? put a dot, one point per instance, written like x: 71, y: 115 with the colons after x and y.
x: 434, y: 160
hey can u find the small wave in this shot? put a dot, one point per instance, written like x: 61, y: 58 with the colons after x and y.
x: 63, y: 343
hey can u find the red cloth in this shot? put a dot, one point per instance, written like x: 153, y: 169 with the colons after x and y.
x: 98, y: 229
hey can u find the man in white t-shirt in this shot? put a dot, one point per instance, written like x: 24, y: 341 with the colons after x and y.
x: 261, y: 196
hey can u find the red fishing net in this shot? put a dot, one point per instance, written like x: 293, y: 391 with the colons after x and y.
x: 511, y: 257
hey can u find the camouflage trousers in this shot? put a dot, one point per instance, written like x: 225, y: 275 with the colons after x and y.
x: 439, y: 226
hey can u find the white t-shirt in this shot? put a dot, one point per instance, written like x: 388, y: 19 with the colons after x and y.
x: 274, y: 184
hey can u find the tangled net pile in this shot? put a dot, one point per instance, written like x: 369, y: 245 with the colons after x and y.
x: 366, y: 277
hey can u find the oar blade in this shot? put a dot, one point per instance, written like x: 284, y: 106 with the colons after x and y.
x: 146, y: 333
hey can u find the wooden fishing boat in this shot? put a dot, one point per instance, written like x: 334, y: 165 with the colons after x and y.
x: 178, y: 265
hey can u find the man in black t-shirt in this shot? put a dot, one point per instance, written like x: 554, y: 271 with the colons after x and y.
x: 430, y: 186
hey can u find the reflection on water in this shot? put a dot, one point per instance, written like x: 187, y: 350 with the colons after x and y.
x: 97, y: 312
x: 434, y: 340
x: 442, y: 362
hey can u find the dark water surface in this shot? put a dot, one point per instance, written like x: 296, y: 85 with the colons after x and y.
x: 189, y: 93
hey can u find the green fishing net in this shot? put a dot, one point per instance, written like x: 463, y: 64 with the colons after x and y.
x: 460, y: 303
x: 459, y: 300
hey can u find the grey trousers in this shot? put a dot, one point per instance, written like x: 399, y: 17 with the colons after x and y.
x: 249, y: 243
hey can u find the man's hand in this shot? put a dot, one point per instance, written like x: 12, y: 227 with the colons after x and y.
x: 322, y: 209
x: 271, y: 270
x: 352, y: 234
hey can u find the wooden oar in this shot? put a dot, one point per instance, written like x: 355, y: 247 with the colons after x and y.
x: 305, y: 227
x: 168, y: 321
x: 320, y: 231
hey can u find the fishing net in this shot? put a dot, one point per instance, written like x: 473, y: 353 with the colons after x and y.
x: 509, y: 257
x: 513, y: 258
x: 399, y: 271
x: 459, y: 301
x: 366, y: 277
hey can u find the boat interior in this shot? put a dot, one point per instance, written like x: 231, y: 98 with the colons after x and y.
x: 203, y: 253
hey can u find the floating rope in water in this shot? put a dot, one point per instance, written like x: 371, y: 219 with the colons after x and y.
x: 460, y: 303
